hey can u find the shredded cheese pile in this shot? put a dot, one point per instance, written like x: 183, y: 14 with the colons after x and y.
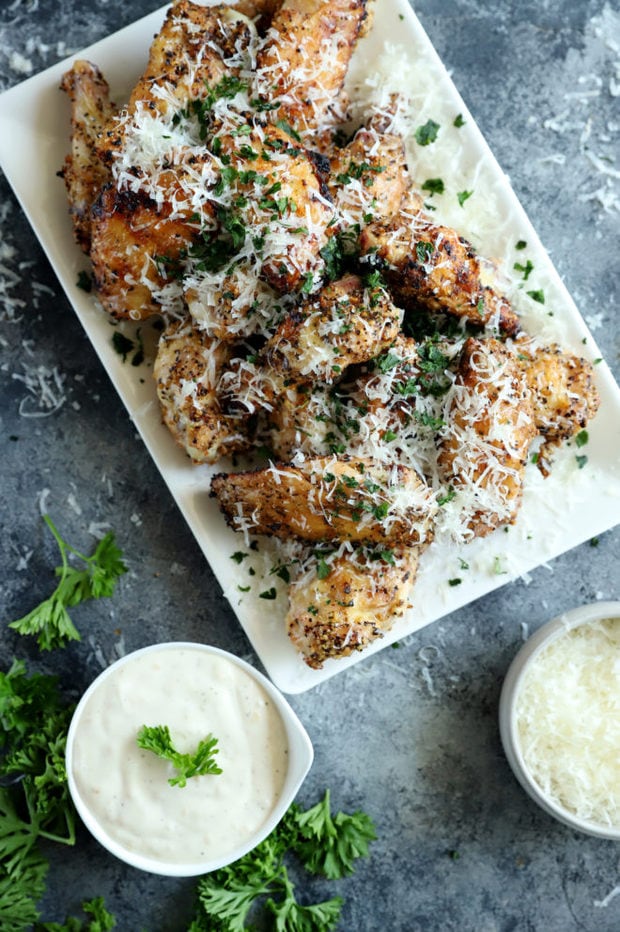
x: 568, y: 719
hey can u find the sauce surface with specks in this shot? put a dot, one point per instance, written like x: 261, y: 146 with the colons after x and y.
x: 194, y: 693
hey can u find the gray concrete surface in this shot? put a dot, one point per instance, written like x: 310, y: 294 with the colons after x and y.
x: 410, y: 735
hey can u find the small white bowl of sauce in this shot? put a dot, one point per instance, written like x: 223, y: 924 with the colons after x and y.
x: 122, y: 793
x: 559, y: 718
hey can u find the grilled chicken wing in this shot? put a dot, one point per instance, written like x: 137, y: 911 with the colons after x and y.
x: 432, y: 266
x: 281, y: 207
x: 331, y: 616
x: 368, y: 178
x: 563, y: 393
x: 346, y: 323
x: 329, y: 499
x: 304, y: 58
x: 83, y: 171
x: 188, y: 370
x: 489, y: 426
x: 134, y: 251
x: 195, y: 49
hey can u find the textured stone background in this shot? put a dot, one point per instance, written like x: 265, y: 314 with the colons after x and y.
x: 409, y: 735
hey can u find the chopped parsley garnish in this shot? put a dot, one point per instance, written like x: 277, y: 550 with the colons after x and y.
x: 427, y: 133
x: 459, y: 121
x: 387, y: 361
x: 424, y: 251
x: 526, y: 269
x: 538, y: 295
x: 520, y: 244
x: 238, y: 556
x: 581, y: 461
x: 268, y: 594
x: 84, y: 281
x: 463, y: 196
x: 434, y: 186
x: 455, y: 582
x: 582, y: 438
x: 323, y: 569
x: 156, y: 738
x: 446, y: 497
x: 288, y: 129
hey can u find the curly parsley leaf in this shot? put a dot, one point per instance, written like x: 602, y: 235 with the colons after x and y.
x: 36, y: 805
x: 50, y: 621
x: 101, y: 921
x: 156, y: 738
x: 329, y: 846
x: 324, y: 844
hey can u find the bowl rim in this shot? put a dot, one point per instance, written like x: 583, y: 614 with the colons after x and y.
x: 300, y: 758
x: 549, y: 632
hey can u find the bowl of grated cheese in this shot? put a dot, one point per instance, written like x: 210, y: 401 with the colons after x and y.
x: 559, y: 718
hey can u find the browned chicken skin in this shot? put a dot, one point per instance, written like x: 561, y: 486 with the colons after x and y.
x: 303, y: 61
x: 83, y: 171
x: 347, y: 323
x: 187, y: 370
x: 431, y: 265
x: 329, y: 499
x: 331, y: 616
x: 189, y: 56
x: 490, y: 425
x: 563, y: 394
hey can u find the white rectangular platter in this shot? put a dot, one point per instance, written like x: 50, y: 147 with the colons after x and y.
x: 559, y: 512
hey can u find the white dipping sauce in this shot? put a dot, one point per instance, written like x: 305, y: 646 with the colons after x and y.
x: 194, y: 693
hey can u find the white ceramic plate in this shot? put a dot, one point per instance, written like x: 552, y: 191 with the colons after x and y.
x: 558, y: 513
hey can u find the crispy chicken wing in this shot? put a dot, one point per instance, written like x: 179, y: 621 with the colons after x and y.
x: 188, y: 369
x: 563, y: 393
x: 303, y: 61
x: 329, y: 499
x: 432, y: 266
x: 281, y: 207
x: 134, y: 250
x: 83, y: 171
x: 346, y: 323
x: 489, y: 427
x: 195, y: 49
x: 333, y: 615
x: 368, y: 178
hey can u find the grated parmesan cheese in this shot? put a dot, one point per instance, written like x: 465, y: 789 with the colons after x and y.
x: 568, y: 721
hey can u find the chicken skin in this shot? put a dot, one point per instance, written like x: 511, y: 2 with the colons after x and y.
x: 188, y: 369
x: 329, y: 499
x: 302, y: 63
x: 430, y: 265
x: 347, y: 323
x: 333, y: 614
x: 490, y: 424
x: 83, y: 171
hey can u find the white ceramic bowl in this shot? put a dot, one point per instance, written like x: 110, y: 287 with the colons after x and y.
x: 545, y: 635
x: 300, y: 757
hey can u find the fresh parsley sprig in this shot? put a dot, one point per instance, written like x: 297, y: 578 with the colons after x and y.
x: 326, y: 845
x: 50, y: 621
x: 157, y: 738
x: 36, y: 805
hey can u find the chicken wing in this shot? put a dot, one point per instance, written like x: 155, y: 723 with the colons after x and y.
x: 188, y: 369
x: 136, y: 253
x: 563, y: 393
x: 346, y: 323
x: 275, y: 206
x: 432, y: 266
x: 368, y: 178
x: 489, y: 421
x: 332, y: 615
x: 303, y: 61
x: 83, y: 171
x: 329, y: 499
x: 197, y: 48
